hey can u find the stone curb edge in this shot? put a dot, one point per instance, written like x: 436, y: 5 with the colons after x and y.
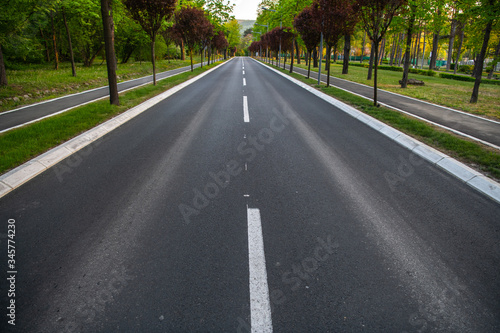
x: 466, y: 174
x: 29, y: 170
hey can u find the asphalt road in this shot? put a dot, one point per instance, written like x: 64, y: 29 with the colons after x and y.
x: 30, y: 113
x: 474, y: 126
x: 289, y: 215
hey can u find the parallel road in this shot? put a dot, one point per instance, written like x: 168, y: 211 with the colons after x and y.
x: 30, y: 113
x: 245, y: 203
x: 486, y: 130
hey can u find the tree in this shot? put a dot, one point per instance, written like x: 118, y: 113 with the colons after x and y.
x: 220, y: 41
x: 411, y: 22
x: 490, y: 12
x: 336, y: 18
x: 189, y: 25
x: 376, y: 16
x: 233, y: 29
x: 109, y: 38
x: 309, y: 30
x: 68, y: 34
x: 150, y: 14
x: 13, y: 15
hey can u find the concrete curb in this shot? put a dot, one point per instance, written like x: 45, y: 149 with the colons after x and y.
x: 467, y: 175
x: 29, y: 170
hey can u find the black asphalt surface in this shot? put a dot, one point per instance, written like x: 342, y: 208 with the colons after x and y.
x: 146, y: 229
x: 476, y: 127
x: 39, y: 110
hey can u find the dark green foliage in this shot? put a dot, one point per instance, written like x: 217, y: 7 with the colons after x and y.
x: 467, y: 78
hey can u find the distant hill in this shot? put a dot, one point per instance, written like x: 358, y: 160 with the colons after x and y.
x: 245, y: 24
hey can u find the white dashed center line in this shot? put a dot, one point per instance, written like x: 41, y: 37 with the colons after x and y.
x: 246, y: 116
x: 260, y: 306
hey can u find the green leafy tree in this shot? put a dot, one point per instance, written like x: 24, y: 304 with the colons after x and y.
x: 489, y: 13
x: 376, y: 16
x: 109, y: 37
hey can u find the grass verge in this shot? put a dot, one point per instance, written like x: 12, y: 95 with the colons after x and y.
x: 437, y: 90
x: 480, y: 157
x: 22, y: 144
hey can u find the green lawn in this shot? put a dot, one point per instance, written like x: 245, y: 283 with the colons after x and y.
x: 42, y: 82
x: 451, y: 93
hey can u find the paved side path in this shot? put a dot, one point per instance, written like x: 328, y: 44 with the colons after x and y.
x: 31, y: 113
x: 481, y: 129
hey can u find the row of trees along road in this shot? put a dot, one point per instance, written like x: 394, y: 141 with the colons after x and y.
x: 38, y: 31
x: 404, y: 31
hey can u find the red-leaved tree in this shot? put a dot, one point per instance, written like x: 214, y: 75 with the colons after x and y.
x: 309, y: 30
x: 336, y: 18
x: 151, y: 14
x: 190, y: 25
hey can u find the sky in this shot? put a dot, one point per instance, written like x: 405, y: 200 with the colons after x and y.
x: 245, y: 9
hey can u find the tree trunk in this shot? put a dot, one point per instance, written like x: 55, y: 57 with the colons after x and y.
x: 400, y: 49
x: 480, y: 60
x: 201, y: 55
x: 409, y: 33
x: 450, y: 45
x: 54, y: 44
x: 370, y: 66
x: 363, y: 48
x: 297, y: 52
x: 309, y: 66
x: 495, y: 61
x: 191, y: 56
x: 459, y: 50
x: 291, y: 60
x: 327, y: 64
x: 347, y: 51
x: 47, y: 50
x: 375, y: 53
x: 153, y: 57
x: 417, y: 53
x: 435, y: 42
x: 315, y: 58
x: 73, y: 67
x: 91, y: 60
x: 3, y: 73
x: 393, y: 51
x: 381, y: 52
x: 109, y: 42
x: 423, y: 50
x: 183, y: 52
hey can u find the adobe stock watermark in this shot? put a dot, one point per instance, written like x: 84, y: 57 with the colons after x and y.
x: 247, y: 151
x: 300, y: 273
x: 95, y: 301
x: 70, y: 163
x: 405, y: 169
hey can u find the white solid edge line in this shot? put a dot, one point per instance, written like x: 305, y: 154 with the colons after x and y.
x: 22, y: 174
x: 480, y: 182
x: 260, y: 305
x: 409, y: 97
x: 246, y: 116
